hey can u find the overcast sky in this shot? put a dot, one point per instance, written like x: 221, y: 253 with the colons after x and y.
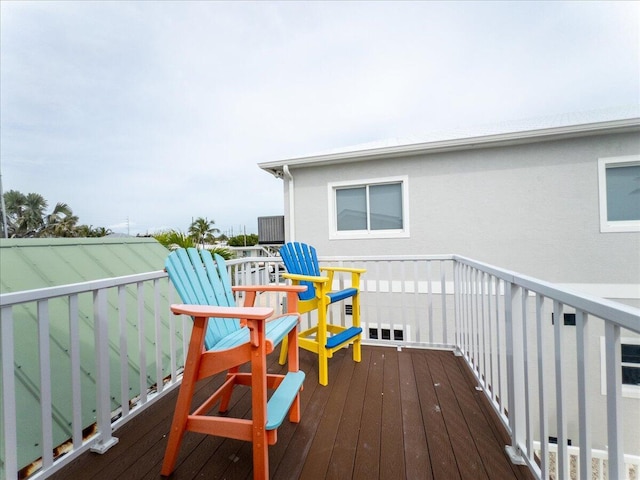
x: 157, y: 112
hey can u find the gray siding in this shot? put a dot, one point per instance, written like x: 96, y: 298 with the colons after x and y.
x: 531, y: 208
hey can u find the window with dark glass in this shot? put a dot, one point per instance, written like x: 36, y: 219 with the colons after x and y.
x: 630, y: 364
x: 369, y: 207
x: 623, y: 193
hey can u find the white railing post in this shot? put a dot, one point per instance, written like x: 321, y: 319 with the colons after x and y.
x: 582, y: 350
x: 173, y: 319
x: 76, y: 383
x: 443, y: 295
x: 416, y: 301
x: 158, y: 335
x: 142, y: 347
x: 614, y: 396
x: 44, y: 350
x: 103, y: 397
x: 429, y: 302
x: 474, y: 327
x: 466, y: 321
x: 486, y: 348
x: 8, y: 394
x: 525, y: 366
x: 457, y: 338
x: 515, y: 382
x: 124, y: 350
x: 500, y: 367
x: 561, y: 423
x: 542, y: 404
x: 490, y: 380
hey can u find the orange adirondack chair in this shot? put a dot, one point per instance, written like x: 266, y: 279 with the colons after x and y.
x: 223, y: 338
x: 301, y: 262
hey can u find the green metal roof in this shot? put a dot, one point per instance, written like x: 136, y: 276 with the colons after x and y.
x: 27, y: 264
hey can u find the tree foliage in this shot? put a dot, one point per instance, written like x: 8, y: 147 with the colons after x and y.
x: 243, y: 240
x: 27, y: 218
x: 173, y: 239
x: 202, y: 230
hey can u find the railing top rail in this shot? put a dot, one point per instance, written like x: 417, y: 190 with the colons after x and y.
x: 14, y: 298
x: 386, y: 258
x: 623, y: 315
x: 351, y: 259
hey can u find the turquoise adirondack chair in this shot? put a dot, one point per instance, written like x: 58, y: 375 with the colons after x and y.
x: 223, y: 338
x: 323, y: 339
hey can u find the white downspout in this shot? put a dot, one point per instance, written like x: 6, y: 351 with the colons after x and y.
x: 292, y: 229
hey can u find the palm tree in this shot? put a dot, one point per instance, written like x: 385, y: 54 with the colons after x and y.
x: 24, y: 213
x: 26, y: 217
x: 202, y: 230
x: 61, y: 222
x: 84, y: 231
x: 100, y: 232
x: 173, y: 239
x: 14, y: 205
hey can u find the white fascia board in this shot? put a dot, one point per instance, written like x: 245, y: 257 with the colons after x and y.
x: 466, y: 143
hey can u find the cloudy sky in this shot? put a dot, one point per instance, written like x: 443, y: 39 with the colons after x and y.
x: 157, y: 112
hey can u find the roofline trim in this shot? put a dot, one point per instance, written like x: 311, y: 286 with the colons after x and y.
x: 465, y: 143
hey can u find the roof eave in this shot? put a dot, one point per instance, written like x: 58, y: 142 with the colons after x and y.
x: 483, y: 141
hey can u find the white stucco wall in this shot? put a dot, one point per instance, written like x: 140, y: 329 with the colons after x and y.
x: 530, y: 208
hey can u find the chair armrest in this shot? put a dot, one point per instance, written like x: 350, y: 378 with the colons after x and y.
x: 305, y: 278
x: 249, y: 313
x: 269, y: 288
x: 343, y: 269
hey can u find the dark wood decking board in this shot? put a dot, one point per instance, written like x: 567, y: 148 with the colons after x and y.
x: 397, y: 414
x: 416, y: 449
x: 344, y: 449
x: 392, y: 462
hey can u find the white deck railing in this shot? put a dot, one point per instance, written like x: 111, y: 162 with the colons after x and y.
x: 110, y: 308
x: 499, y: 321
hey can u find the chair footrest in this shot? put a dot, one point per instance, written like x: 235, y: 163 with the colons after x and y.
x: 282, y: 399
x: 342, y: 337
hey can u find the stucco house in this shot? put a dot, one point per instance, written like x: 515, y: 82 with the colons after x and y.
x: 557, y: 199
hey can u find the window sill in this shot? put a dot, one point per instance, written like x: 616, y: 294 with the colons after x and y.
x: 617, y: 227
x: 360, y: 235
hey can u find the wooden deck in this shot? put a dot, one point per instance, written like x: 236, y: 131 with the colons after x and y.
x: 413, y: 414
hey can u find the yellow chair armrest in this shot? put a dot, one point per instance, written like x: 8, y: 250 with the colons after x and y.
x: 269, y: 288
x: 306, y: 278
x: 343, y: 269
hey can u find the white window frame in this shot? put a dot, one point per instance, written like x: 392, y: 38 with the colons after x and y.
x: 335, y: 234
x: 630, y: 391
x: 611, y: 162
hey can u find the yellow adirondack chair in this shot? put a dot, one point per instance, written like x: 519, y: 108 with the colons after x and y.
x: 323, y: 339
x: 223, y: 338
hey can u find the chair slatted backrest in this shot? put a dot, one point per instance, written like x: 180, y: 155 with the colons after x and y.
x: 301, y: 259
x: 202, y: 280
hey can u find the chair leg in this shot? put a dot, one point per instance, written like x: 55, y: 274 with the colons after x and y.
x: 284, y: 349
x: 357, y: 345
x: 357, y: 349
x: 293, y: 360
x: 323, y: 367
x: 259, y: 405
x: 321, y: 338
x: 183, y: 404
x: 226, y: 397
